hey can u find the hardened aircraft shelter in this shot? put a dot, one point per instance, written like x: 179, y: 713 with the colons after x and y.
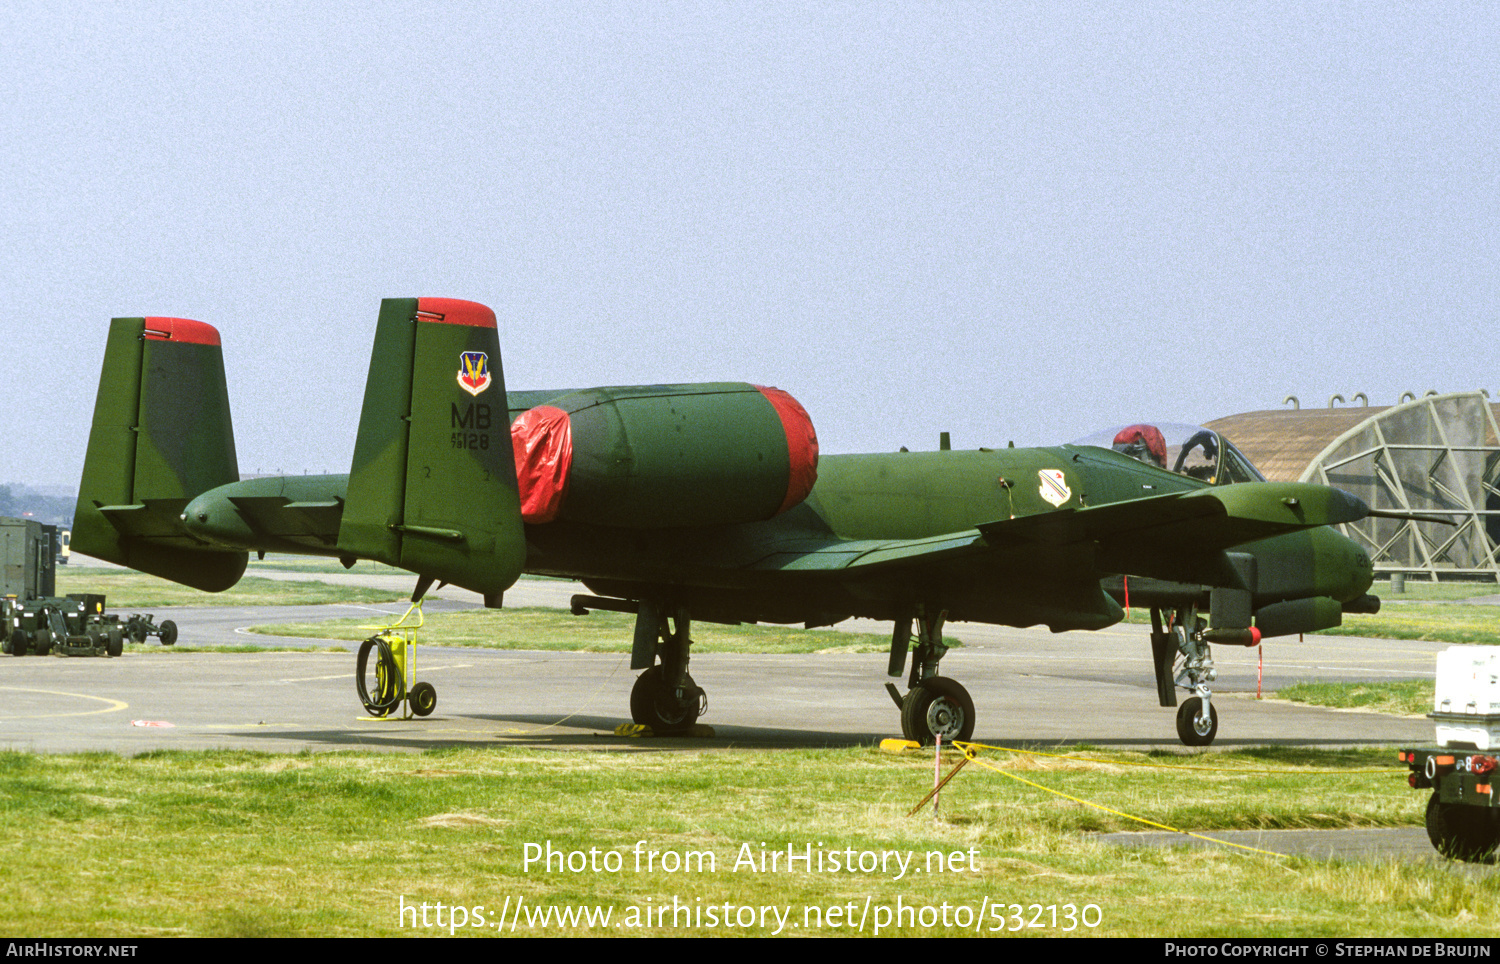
x: 1438, y: 455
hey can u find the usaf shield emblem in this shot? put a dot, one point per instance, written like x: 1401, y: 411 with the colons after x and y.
x: 473, y: 372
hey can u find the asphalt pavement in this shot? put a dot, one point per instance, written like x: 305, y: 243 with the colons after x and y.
x: 1031, y: 688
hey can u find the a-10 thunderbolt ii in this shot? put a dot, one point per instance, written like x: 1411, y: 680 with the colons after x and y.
x: 710, y: 502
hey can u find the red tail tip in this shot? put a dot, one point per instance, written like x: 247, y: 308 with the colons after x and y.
x: 452, y: 311
x: 181, y: 329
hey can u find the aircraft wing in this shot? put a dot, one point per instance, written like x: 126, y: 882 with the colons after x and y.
x: 826, y: 555
x: 1209, y: 518
x: 1170, y: 536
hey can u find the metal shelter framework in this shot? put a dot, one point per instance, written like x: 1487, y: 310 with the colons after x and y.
x: 1438, y: 455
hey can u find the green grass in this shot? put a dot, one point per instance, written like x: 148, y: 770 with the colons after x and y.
x: 125, y: 589
x: 1446, y: 622
x: 1402, y: 697
x: 1422, y: 591
x: 243, y: 844
x: 537, y: 628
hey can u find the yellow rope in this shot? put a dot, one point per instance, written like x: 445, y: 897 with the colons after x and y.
x: 556, y: 723
x: 971, y: 753
x: 1168, y: 766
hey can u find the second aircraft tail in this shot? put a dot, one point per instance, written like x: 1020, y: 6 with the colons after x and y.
x: 161, y: 436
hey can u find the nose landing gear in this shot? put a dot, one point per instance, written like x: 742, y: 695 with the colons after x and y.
x: 1182, y: 657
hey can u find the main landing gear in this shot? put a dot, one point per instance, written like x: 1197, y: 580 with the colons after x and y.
x: 1182, y: 658
x: 664, y: 697
x: 934, y: 706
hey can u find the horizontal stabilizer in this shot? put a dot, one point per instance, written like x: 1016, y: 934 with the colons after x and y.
x: 148, y: 519
x: 280, y: 517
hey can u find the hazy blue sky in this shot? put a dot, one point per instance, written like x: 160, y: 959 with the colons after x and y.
x: 1011, y: 221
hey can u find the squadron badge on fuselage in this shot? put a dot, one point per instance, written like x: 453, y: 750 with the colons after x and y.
x: 1054, y: 487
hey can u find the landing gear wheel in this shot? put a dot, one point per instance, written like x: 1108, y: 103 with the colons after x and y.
x: 937, y: 706
x: 423, y: 698
x: 1190, y: 730
x: 653, y: 704
x: 1460, y: 832
x: 168, y: 632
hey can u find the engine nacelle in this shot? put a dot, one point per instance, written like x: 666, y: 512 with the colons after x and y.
x: 1298, y: 616
x: 660, y: 456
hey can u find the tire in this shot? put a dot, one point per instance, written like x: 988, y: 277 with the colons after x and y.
x: 19, y: 642
x: 937, y: 705
x: 114, y: 642
x: 1188, y: 729
x: 168, y: 632
x: 137, y: 632
x: 652, y: 705
x: 1462, y: 833
x: 423, y: 698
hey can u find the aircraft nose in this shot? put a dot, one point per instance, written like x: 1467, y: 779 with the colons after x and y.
x: 1343, y: 507
x: 1344, y: 569
x: 1363, y: 568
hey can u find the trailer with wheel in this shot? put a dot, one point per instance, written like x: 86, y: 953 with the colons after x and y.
x: 138, y: 627
x: 1463, y: 819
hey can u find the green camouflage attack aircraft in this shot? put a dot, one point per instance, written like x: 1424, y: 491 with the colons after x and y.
x: 709, y: 501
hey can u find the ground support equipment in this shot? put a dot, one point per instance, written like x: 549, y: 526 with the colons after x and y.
x: 138, y: 627
x: 395, y: 651
x: 1463, y: 819
x: 73, y: 625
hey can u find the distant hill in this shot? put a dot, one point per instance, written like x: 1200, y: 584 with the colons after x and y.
x: 50, y: 504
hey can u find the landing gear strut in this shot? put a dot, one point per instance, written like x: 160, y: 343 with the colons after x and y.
x: 934, y: 706
x: 664, y: 697
x: 1182, y: 658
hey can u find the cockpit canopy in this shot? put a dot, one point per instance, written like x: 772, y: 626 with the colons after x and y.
x: 1191, y: 450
